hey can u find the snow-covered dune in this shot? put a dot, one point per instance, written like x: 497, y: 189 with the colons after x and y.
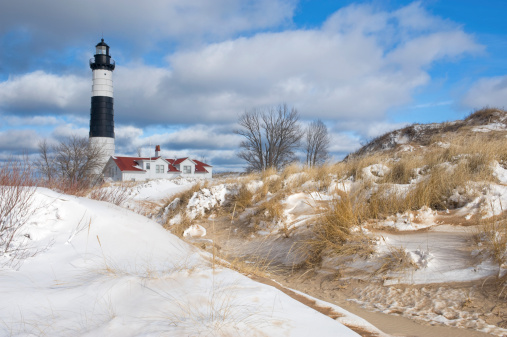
x: 110, y: 272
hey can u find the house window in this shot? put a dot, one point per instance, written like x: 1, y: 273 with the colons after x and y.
x: 147, y: 166
x: 187, y: 169
x: 160, y: 168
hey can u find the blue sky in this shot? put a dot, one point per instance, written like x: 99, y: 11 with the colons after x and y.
x: 187, y: 69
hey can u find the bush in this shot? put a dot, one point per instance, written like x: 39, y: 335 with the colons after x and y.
x: 338, y: 229
x: 17, y: 188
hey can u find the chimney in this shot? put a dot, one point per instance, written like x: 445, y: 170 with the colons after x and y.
x: 157, y: 150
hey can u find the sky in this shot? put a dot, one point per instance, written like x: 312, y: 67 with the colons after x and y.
x: 186, y: 70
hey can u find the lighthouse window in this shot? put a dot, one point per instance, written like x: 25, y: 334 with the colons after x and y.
x: 147, y: 166
x: 160, y: 168
x: 187, y: 169
x: 101, y: 50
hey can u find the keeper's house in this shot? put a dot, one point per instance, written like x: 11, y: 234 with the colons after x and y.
x: 140, y: 169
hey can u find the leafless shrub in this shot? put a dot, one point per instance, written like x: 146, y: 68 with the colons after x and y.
x: 17, y: 189
x: 72, y: 165
x: 116, y: 194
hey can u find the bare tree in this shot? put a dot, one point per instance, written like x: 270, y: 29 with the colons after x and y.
x: 72, y: 161
x: 45, y: 162
x: 316, y: 143
x: 271, y: 137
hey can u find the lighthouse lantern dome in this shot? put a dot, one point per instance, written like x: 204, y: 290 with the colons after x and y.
x: 102, y: 59
x: 102, y: 48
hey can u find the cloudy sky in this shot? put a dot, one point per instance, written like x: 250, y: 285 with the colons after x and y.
x: 186, y: 69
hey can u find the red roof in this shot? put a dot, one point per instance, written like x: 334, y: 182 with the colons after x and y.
x: 200, y: 166
x: 201, y: 163
x: 132, y: 164
x: 128, y: 163
x: 178, y: 161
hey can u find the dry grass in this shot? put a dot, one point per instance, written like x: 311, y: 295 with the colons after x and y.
x: 492, y: 239
x: 271, y: 209
x: 338, y: 229
x: 116, y: 194
x: 322, y: 175
x: 252, y: 265
x: 240, y: 201
x: 272, y: 183
x: 396, y: 260
x: 402, y: 171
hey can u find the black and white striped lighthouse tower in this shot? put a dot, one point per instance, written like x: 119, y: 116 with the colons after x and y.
x: 102, y: 112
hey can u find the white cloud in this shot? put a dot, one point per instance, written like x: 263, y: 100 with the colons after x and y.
x: 31, y: 120
x: 18, y: 141
x: 351, y: 71
x: 487, y: 92
x: 63, y: 131
x: 342, y: 144
x: 39, y: 91
x: 344, y: 71
x: 144, y: 22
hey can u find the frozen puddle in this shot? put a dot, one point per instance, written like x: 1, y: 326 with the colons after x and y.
x: 445, y: 257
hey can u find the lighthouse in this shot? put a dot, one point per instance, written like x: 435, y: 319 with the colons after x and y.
x: 102, y: 111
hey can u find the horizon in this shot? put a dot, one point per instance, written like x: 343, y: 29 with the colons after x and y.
x: 186, y: 71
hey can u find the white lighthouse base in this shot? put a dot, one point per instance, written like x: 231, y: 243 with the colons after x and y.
x: 106, y: 146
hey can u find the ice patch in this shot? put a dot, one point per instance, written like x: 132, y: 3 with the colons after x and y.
x: 195, y: 231
x: 499, y: 172
x: 373, y: 172
x: 254, y: 185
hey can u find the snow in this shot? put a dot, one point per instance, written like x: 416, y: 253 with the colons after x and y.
x: 254, y: 185
x: 499, y: 172
x: 209, y: 198
x: 441, y: 256
x: 347, y: 317
x: 155, y: 190
x: 342, y: 185
x: 407, y: 221
x: 112, y: 272
x: 373, y: 172
x: 195, y: 231
x: 406, y: 148
x: 490, y: 127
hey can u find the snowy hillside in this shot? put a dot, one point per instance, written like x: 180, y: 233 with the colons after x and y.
x: 388, y: 229
x: 106, y: 271
x: 484, y: 120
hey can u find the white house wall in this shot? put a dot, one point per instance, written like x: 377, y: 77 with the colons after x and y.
x: 112, y: 171
x: 152, y: 172
x: 184, y: 163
